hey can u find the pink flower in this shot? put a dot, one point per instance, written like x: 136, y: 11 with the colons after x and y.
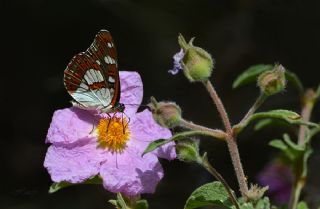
x: 278, y: 176
x: 84, y: 144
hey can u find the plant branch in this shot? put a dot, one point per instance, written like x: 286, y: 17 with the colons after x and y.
x: 308, y: 101
x: 231, y: 140
x: 219, y: 105
x: 214, y: 132
x: 206, y: 164
x: 235, y: 157
x: 260, y: 100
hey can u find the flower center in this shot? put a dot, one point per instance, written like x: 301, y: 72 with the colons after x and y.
x: 113, y: 133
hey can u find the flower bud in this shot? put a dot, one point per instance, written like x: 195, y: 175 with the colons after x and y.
x: 272, y: 81
x: 197, y: 64
x: 255, y: 192
x: 188, y: 150
x: 166, y: 114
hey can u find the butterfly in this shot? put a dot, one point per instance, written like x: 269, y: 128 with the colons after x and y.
x: 92, y: 77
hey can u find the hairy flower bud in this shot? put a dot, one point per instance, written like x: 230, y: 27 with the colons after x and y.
x: 188, y: 150
x: 255, y: 192
x: 166, y: 114
x: 197, y: 64
x: 272, y: 81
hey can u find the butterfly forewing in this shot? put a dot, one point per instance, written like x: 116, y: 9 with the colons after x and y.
x: 92, y: 77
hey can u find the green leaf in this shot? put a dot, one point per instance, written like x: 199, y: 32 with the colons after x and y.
x: 123, y: 202
x: 57, y: 186
x: 302, y: 205
x: 271, y: 122
x: 277, y: 143
x: 263, y: 124
x: 60, y: 185
x: 160, y: 142
x: 286, y: 115
x: 211, y: 194
x: 155, y: 144
x: 251, y: 74
x: 142, y: 204
x: 263, y: 203
x: 295, y: 81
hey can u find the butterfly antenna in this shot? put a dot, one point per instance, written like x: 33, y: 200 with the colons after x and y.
x: 137, y: 105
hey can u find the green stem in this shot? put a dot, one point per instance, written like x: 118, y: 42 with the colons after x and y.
x: 206, y: 164
x: 308, y: 100
x: 295, y: 195
x: 260, y: 100
x: 214, y: 132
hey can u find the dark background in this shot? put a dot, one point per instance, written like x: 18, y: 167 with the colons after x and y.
x: 39, y: 37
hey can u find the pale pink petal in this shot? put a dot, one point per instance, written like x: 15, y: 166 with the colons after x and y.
x: 145, y: 130
x: 131, y: 91
x: 177, y: 58
x: 70, y: 125
x: 74, y: 163
x: 131, y: 174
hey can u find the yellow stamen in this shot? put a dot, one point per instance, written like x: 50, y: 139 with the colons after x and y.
x: 113, y: 133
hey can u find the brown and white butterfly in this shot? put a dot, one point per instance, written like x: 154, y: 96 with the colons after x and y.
x: 92, y: 77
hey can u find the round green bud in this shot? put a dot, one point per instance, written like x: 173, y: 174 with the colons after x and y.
x: 197, y: 64
x: 272, y: 81
x: 188, y: 150
x: 166, y: 114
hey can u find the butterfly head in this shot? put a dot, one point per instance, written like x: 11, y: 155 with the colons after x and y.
x: 119, y: 107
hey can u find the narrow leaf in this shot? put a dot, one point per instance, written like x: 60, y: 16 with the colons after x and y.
x: 160, y: 142
x: 141, y: 204
x: 211, y: 194
x: 277, y: 143
x: 286, y: 115
x: 251, y: 74
x: 295, y: 81
x: 155, y: 144
x: 60, y: 185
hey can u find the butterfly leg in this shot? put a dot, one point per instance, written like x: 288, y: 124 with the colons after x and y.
x: 126, y: 125
x: 93, y: 125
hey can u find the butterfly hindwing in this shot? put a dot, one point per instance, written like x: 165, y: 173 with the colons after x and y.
x: 90, y: 79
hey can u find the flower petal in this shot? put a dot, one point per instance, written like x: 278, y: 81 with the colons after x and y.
x: 70, y: 125
x: 74, y: 163
x: 131, y: 91
x: 131, y: 174
x: 177, y: 58
x: 145, y: 130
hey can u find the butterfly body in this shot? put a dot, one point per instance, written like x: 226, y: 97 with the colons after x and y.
x: 92, y: 77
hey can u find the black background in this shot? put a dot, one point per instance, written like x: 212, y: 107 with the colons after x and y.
x: 39, y: 37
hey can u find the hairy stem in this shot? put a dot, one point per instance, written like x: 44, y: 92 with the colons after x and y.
x: 235, y: 157
x: 231, y: 140
x: 214, y: 132
x: 307, y: 106
x: 219, y: 105
x: 308, y: 100
x: 262, y: 97
x: 206, y: 164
